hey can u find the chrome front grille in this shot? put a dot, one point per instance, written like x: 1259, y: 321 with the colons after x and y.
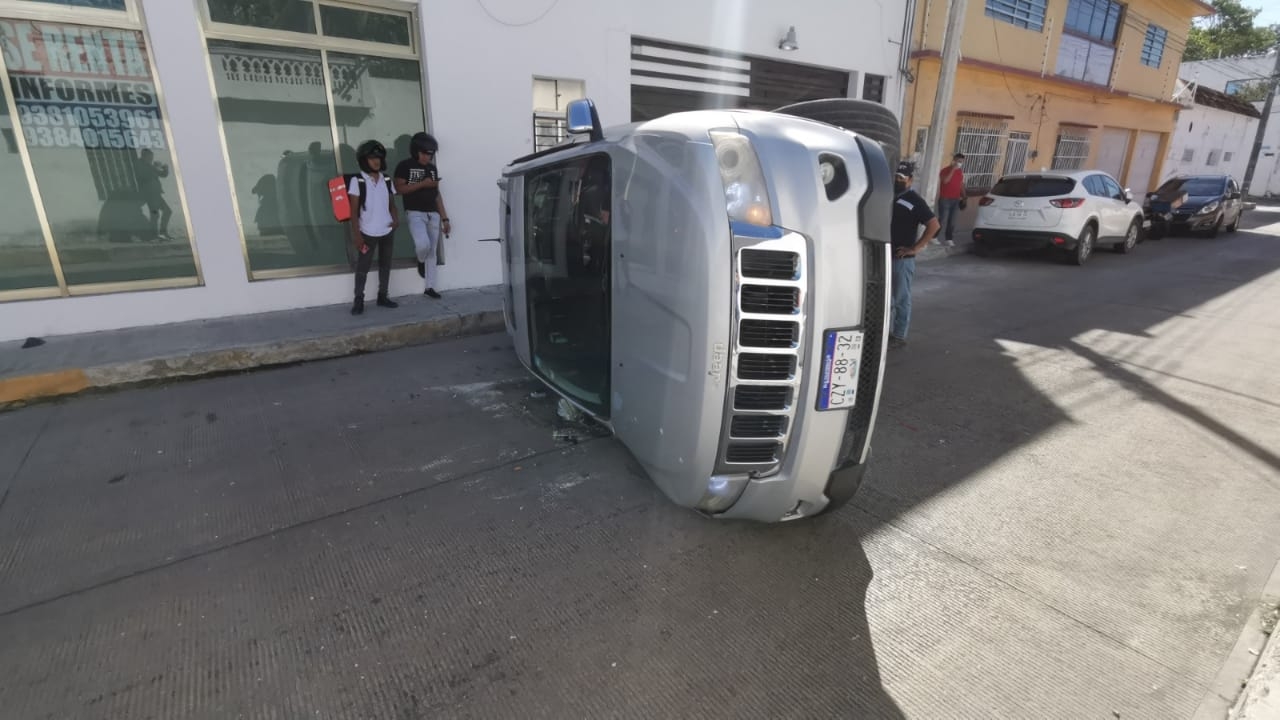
x: 769, y: 284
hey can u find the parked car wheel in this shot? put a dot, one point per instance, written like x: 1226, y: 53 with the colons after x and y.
x: 1235, y: 225
x: 1130, y: 239
x: 1084, y: 246
x: 1217, y: 228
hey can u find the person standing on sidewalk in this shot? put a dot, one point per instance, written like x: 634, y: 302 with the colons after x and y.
x: 149, y: 173
x: 951, y: 196
x: 374, y: 221
x: 910, y: 211
x: 418, y: 182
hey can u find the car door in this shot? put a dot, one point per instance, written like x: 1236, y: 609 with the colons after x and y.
x: 1122, y: 211
x: 1233, y: 201
x: 1101, y: 205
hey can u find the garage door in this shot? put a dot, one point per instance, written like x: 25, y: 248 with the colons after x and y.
x: 1143, y: 166
x: 667, y: 78
x: 1112, y: 151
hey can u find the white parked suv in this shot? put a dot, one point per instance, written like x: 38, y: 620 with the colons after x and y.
x: 1073, y: 211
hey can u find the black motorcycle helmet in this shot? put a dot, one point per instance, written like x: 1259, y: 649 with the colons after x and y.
x: 368, y: 149
x: 422, y: 143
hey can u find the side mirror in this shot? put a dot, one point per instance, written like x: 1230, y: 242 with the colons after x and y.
x: 1235, y: 195
x: 581, y: 118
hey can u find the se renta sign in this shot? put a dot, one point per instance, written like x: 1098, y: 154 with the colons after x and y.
x: 80, y: 86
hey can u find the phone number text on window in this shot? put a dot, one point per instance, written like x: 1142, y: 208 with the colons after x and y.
x: 89, y: 126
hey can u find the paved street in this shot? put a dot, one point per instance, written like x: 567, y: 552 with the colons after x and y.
x: 1073, y: 509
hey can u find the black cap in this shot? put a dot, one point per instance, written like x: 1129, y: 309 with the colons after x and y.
x: 907, y: 168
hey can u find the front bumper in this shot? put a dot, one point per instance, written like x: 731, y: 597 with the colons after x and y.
x: 1194, y: 223
x: 1028, y: 239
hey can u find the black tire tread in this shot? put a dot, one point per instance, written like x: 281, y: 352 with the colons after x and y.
x: 863, y: 117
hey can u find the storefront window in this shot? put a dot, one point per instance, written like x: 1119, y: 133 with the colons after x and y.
x: 86, y: 103
x: 291, y: 15
x: 99, y: 4
x: 24, y: 260
x: 281, y: 123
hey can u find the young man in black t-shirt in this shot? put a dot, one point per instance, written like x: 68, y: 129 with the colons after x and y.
x: 418, y: 182
x: 910, y: 211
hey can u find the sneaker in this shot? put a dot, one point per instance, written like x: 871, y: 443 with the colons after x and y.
x: 951, y: 243
x: 896, y: 342
x: 386, y: 302
x: 422, y: 269
x: 358, y: 307
x: 431, y: 293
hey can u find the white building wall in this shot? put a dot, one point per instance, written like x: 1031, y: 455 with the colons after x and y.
x: 1216, y: 74
x: 1203, y: 130
x: 479, y: 62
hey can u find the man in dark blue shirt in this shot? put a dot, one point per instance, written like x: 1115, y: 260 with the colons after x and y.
x: 910, y: 211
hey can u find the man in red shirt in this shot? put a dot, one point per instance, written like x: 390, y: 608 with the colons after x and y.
x: 950, y: 196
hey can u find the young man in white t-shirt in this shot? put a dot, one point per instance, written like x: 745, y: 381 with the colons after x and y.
x: 373, y: 221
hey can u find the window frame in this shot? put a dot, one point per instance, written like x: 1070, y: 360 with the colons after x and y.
x: 1015, y: 16
x: 129, y: 19
x: 880, y: 83
x: 324, y: 44
x: 530, y: 258
x: 1072, y: 137
x: 318, y: 40
x: 1153, y: 56
x: 1121, y: 17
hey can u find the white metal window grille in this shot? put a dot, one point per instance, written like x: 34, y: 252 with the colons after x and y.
x: 1189, y: 155
x: 979, y: 139
x: 1027, y: 14
x: 1072, y: 150
x: 1016, y: 151
x: 549, y: 130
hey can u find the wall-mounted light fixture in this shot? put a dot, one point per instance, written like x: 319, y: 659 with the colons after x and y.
x: 788, y: 42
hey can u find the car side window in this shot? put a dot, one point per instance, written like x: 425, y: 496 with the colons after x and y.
x: 1093, y: 184
x: 1113, y: 189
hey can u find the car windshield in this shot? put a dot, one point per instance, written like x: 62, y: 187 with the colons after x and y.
x: 1033, y: 186
x: 1195, y: 187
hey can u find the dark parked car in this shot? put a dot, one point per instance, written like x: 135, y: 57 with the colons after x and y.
x: 1195, y: 203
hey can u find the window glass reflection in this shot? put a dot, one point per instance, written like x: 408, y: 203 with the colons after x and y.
x: 99, y: 4
x: 291, y: 15
x: 24, y: 260
x: 567, y: 261
x: 275, y: 117
x: 378, y: 99
x: 87, y: 104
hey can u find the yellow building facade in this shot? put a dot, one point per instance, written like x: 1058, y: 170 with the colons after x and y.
x: 1053, y: 84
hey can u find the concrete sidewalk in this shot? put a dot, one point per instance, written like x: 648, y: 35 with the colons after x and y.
x: 71, y: 364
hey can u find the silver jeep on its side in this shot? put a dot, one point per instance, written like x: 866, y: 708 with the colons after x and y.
x: 713, y: 286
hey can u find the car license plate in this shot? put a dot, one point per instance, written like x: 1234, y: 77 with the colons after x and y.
x: 841, y: 353
x: 1017, y: 214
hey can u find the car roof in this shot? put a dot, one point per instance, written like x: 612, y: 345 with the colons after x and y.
x: 1073, y: 174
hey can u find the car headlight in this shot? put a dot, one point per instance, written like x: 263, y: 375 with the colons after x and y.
x: 1211, y: 207
x: 745, y: 194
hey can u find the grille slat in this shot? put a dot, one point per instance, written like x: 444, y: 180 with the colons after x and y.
x: 770, y: 299
x: 761, y: 397
x: 758, y: 426
x: 768, y: 333
x: 758, y: 366
x: 770, y: 264
x: 742, y: 452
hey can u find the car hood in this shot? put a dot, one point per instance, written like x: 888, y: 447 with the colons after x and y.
x: 1195, y: 202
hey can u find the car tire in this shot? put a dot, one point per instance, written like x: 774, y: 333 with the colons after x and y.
x: 1084, y: 246
x: 1217, y: 227
x: 872, y: 120
x: 1235, y: 225
x: 1130, y: 239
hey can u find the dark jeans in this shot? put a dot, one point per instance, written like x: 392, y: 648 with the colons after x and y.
x: 383, y: 247
x: 160, y: 213
x: 948, y: 209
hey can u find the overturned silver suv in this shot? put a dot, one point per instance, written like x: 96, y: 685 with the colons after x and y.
x: 713, y: 286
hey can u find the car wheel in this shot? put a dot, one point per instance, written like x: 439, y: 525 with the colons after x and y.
x: 873, y: 120
x: 1130, y: 239
x: 1235, y: 225
x: 1217, y: 227
x: 1084, y: 246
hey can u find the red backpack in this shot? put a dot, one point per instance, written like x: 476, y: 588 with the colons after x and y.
x: 341, y: 200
